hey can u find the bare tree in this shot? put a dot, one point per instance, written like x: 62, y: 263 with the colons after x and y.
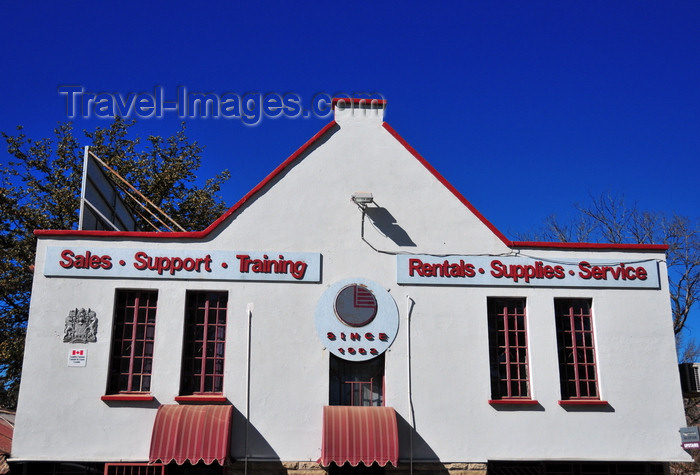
x: 608, y: 218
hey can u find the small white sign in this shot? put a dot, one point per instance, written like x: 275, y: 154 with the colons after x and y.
x: 77, y: 357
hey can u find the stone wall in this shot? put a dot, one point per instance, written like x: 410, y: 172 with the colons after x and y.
x: 313, y: 468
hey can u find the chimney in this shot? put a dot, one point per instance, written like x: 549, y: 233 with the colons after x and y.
x: 358, y: 109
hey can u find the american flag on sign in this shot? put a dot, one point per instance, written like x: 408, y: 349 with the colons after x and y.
x: 363, y: 298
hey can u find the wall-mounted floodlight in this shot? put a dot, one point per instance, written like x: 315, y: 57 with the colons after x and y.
x: 362, y: 198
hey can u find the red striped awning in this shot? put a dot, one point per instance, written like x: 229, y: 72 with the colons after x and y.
x: 359, y: 434
x: 6, y: 432
x: 191, y: 433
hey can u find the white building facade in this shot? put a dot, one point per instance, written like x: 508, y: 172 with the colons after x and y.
x: 307, y: 332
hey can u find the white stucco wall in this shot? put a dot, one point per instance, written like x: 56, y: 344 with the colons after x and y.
x: 307, y: 208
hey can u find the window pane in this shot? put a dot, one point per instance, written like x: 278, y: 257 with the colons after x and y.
x: 219, y: 366
x: 358, y: 383
x: 508, y: 348
x: 132, y: 340
x: 577, y: 366
x: 204, y: 342
x: 124, y: 365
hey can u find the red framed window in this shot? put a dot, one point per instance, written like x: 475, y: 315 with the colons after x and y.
x: 204, y: 343
x: 577, y: 358
x: 510, y: 375
x: 356, y: 383
x: 134, y: 469
x: 131, y: 358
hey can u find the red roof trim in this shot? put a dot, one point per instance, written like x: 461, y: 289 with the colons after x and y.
x: 6, y: 434
x: 506, y: 241
x: 357, y: 101
x: 446, y: 183
x: 211, y: 227
x: 292, y: 158
x: 589, y: 245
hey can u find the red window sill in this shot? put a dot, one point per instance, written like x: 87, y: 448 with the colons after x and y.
x: 583, y: 402
x: 135, y: 397
x: 201, y: 398
x: 513, y: 402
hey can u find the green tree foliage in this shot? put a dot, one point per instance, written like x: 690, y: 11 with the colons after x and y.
x: 610, y: 219
x: 40, y: 189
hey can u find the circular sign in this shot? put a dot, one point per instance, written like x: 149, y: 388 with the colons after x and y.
x: 357, y: 319
x: 355, y: 305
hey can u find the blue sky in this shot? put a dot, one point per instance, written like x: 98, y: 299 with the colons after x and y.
x: 525, y: 107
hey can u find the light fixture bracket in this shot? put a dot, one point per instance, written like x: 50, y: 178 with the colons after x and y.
x: 362, y: 198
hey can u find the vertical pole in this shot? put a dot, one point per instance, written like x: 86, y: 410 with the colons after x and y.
x: 249, y: 311
x: 83, y: 186
x: 409, y: 310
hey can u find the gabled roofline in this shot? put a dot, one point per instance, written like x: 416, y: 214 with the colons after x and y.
x: 300, y: 151
x: 194, y: 234
x: 445, y: 183
x: 501, y: 236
